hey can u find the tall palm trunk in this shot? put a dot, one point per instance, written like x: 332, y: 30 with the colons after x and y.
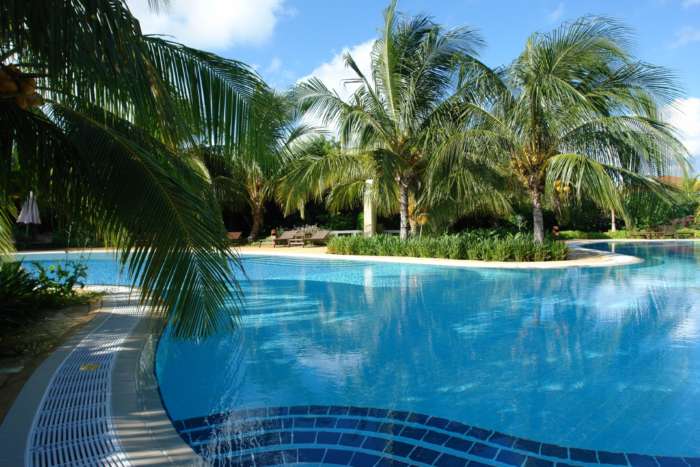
x: 412, y: 220
x: 403, y: 207
x: 537, y: 219
x: 613, y: 221
x: 5, y: 162
x: 258, y: 214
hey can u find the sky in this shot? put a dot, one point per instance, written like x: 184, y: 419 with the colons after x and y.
x: 289, y: 40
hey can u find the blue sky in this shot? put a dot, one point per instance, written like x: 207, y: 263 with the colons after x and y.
x: 286, y: 40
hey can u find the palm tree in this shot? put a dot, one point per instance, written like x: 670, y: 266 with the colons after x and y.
x: 577, y: 109
x: 249, y: 174
x: 94, y: 116
x: 391, y: 123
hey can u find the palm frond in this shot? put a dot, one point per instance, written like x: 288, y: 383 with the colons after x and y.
x: 6, y: 243
x: 166, y: 223
x: 215, y: 90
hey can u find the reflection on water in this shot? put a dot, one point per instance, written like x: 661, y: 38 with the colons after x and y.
x: 605, y: 358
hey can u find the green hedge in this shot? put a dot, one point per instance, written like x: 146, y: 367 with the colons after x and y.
x: 583, y: 235
x: 620, y: 234
x: 485, y: 246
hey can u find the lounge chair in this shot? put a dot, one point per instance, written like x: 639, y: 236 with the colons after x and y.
x: 320, y: 237
x: 234, y: 237
x: 284, y: 239
x: 298, y: 239
x: 667, y: 231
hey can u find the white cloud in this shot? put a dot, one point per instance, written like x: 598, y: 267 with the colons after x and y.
x: 689, y: 3
x: 334, y: 74
x: 686, y: 36
x: 211, y: 24
x: 556, y: 14
x: 274, y: 66
x: 684, y: 114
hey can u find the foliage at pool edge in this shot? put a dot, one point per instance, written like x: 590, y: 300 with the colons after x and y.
x: 470, y: 246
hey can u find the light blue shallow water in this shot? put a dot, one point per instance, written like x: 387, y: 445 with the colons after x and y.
x: 599, y: 358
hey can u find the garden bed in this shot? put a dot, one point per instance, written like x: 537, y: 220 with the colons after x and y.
x: 491, y: 246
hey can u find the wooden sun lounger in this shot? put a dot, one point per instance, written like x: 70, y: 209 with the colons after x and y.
x: 320, y: 237
x: 284, y: 239
x: 234, y: 237
x: 298, y: 239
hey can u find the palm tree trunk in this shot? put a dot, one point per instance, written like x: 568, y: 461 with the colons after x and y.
x: 613, y: 221
x: 5, y: 162
x: 257, y: 213
x: 557, y: 208
x: 537, y: 220
x: 403, y: 207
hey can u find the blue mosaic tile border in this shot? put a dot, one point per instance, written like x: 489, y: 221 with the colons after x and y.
x: 361, y: 436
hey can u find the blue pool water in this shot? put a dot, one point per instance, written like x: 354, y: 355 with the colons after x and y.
x: 603, y: 359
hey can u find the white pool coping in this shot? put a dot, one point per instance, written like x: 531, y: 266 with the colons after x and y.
x: 598, y: 258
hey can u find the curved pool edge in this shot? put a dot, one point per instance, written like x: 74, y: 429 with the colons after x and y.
x: 595, y: 258
x: 125, y: 423
x: 141, y: 421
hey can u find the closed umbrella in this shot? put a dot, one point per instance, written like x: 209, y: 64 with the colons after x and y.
x: 30, y: 212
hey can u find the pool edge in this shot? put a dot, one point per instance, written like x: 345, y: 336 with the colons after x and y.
x: 141, y: 422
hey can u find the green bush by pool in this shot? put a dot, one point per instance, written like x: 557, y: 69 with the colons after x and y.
x: 472, y: 245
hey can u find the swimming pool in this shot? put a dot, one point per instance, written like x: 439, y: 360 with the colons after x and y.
x: 382, y: 363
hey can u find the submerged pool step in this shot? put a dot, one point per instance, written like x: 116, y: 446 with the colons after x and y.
x: 361, y: 436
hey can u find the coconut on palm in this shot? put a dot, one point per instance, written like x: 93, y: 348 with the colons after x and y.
x: 22, y: 102
x: 27, y: 86
x: 7, y: 83
x: 35, y: 100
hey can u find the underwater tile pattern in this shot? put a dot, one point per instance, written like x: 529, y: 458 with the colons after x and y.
x: 362, y: 436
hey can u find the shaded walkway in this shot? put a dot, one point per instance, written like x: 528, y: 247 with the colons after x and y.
x: 73, y: 425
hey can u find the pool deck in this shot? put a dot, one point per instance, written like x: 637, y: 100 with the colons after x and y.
x: 123, y: 422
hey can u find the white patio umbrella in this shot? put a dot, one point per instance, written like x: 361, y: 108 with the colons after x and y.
x: 30, y: 211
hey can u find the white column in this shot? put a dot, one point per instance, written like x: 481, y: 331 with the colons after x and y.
x: 370, y: 213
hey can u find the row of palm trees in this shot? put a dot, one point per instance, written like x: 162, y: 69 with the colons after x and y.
x: 141, y: 139
x: 434, y: 127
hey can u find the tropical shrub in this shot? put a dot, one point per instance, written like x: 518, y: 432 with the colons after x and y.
x: 475, y: 245
x: 688, y: 232
x: 24, y: 294
x: 622, y: 234
x: 61, y: 280
x: 647, y: 212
